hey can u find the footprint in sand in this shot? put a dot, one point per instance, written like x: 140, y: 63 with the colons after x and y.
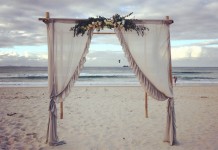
x: 11, y: 114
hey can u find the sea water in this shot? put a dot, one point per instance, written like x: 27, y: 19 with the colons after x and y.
x: 97, y: 76
x: 196, y: 75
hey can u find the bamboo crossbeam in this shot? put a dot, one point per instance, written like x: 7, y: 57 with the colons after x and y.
x: 137, y: 21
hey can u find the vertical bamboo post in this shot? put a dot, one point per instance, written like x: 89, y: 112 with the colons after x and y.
x: 146, y: 105
x: 47, y: 15
x: 170, y: 69
x: 49, y: 55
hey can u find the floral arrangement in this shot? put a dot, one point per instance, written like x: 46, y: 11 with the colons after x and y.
x: 100, y: 23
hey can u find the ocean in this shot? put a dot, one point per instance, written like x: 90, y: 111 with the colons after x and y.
x: 97, y: 76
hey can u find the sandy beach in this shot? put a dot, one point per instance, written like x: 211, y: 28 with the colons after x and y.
x: 109, y: 118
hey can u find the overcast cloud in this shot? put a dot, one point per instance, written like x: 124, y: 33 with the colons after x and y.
x: 193, y: 20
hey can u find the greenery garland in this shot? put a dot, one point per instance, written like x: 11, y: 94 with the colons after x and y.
x: 100, y: 23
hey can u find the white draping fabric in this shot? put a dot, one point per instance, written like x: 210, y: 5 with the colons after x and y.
x: 66, y: 58
x: 149, y: 57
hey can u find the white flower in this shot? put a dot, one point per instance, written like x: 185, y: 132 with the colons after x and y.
x: 98, y: 28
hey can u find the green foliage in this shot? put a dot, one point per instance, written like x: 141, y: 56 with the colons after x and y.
x: 100, y: 23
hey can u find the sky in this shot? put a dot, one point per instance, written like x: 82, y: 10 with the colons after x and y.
x: 194, y: 33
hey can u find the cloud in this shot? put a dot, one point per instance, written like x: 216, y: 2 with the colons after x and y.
x: 20, y: 26
x: 213, y: 6
x: 12, y: 58
x: 105, y: 38
x: 186, y: 52
x: 106, y: 58
x: 193, y: 20
x: 194, y: 56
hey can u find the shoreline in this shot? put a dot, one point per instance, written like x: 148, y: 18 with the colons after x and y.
x: 110, y: 85
x: 104, y: 85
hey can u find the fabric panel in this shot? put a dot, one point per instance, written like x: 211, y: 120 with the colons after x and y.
x: 69, y: 57
x: 66, y: 56
x: 149, y: 56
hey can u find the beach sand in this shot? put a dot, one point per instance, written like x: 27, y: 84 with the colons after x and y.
x: 109, y: 118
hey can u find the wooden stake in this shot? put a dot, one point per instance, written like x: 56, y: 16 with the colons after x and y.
x: 146, y: 105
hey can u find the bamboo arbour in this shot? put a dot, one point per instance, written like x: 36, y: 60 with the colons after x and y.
x: 139, y: 21
x: 161, y: 92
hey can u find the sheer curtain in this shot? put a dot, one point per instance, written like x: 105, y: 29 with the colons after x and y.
x: 149, y: 57
x: 66, y: 58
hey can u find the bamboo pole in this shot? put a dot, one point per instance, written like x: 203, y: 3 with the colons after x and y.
x: 170, y: 69
x: 61, y: 103
x: 47, y: 17
x: 146, y: 105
